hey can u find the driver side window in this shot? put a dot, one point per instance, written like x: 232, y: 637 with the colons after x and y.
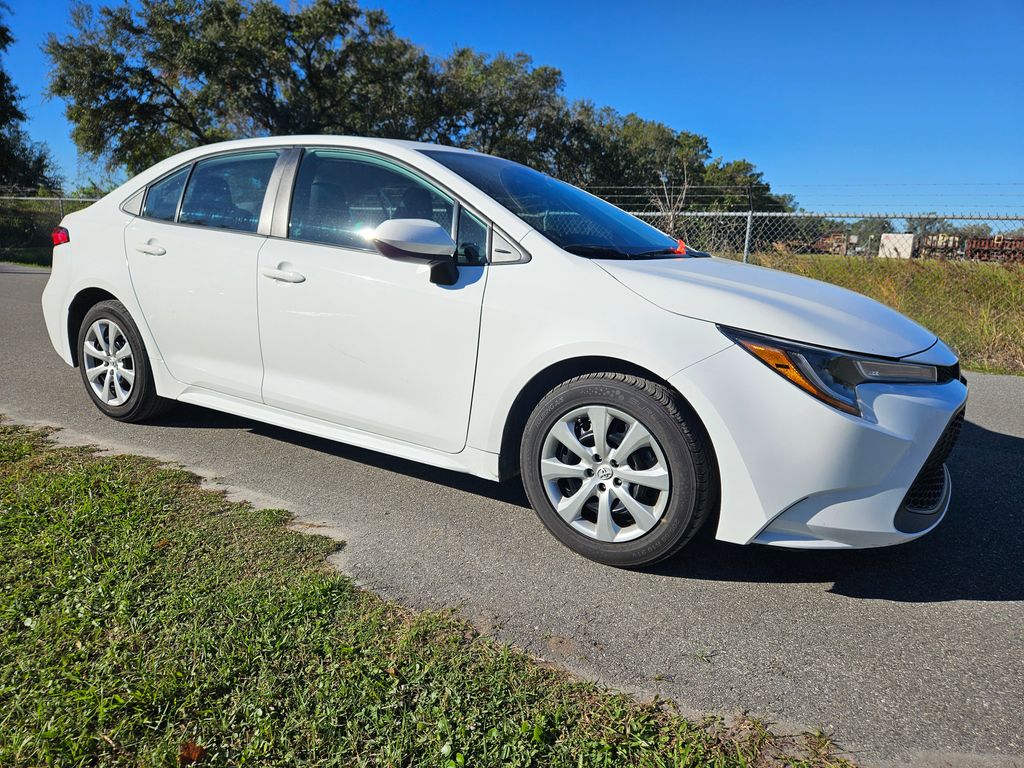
x: 339, y: 198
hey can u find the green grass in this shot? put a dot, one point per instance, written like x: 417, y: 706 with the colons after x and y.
x: 32, y: 255
x: 977, y: 308
x: 29, y: 257
x: 146, y: 621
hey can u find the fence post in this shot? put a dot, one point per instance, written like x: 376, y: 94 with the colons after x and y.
x: 746, y: 240
x: 750, y: 225
x: 60, y: 205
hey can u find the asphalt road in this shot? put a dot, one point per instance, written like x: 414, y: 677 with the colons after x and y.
x: 914, y: 653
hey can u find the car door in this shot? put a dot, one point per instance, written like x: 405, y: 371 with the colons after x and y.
x: 192, y: 257
x: 359, y: 339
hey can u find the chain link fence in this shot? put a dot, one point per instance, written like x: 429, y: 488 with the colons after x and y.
x: 26, y: 222
x: 867, y: 235
x: 961, y: 276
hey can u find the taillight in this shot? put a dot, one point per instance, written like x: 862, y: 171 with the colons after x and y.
x: 60, y: 236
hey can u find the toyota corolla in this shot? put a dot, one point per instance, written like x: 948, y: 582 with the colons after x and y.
x: 470, y: 313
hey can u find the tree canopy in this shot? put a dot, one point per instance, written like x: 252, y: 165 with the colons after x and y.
x: 23, y: 163
x: 144, y: 81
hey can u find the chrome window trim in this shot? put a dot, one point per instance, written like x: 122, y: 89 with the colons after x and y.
x: 205, y: 228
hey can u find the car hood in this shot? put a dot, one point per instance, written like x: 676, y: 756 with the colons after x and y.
x: 773, y: 303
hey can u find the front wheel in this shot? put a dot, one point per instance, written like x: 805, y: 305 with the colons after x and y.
x: 618, y: 469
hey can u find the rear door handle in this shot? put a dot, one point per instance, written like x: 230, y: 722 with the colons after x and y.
x: 152, y: 249
x: 283, y: 275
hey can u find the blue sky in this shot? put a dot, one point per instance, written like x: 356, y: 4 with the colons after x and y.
x: 850, y: 106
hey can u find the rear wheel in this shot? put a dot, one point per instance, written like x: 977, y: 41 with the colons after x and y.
x: 618, y: 469
x: 114, y: 365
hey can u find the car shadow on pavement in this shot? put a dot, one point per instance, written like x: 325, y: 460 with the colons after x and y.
x: 187, y: 416
x: 976, y: 553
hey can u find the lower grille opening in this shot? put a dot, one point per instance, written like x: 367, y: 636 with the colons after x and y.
x: 926, y: 491
x: 926, y: 494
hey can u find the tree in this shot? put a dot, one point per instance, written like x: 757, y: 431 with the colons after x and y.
x: 144, y: 83
x: 23, y: 163
x: 740, y: 185
x: 602, y: 148
x: 501, y: 105
x: 927, y: 224
x: 672, y: 160
x: 869, y: 234
x: 93, y: 188
x: 977, y: 229
x: 932, y: 224
x: 144, y: 80
x: 587, y: 155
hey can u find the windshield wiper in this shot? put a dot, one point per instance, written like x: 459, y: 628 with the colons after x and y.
x: 658, y: 252
x: 608, y: 252
x: 596, y: 250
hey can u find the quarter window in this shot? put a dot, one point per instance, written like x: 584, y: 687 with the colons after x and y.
x: 162, y: 198
x: 340, y: 198
x: 228, y: 191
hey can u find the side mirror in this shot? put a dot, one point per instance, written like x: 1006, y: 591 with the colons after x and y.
x: 420, y: 239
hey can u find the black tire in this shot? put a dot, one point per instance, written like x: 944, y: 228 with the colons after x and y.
x: 143, y: 402
x: 693, y: 494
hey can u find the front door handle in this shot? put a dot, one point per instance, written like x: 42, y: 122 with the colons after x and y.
x: 151, y: 249
x: 283, y: 275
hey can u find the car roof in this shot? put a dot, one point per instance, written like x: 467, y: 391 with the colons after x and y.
x: 327, y: 139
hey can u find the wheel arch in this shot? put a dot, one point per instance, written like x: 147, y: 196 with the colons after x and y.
x: 84, y: 300
x: 553, y: 375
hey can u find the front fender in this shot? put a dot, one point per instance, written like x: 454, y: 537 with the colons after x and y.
x: 559, y: 308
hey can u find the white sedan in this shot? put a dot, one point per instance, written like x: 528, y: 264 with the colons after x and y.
x: 470, y: 313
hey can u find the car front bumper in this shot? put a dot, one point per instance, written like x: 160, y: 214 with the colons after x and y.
x: 796, y: 473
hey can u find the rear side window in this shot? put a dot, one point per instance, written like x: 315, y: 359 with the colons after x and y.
x: 340, y: 198
x: 162, y: 198
x: 227, y: 192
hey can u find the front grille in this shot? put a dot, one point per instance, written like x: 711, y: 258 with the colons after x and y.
x: 926, y: 492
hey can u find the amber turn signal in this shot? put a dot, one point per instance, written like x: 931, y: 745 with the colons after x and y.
x: 782, y: 362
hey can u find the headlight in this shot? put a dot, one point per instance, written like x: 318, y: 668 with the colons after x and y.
x: 830, y: 376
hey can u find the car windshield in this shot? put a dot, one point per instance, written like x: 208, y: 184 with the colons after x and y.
x: 572, y: 219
